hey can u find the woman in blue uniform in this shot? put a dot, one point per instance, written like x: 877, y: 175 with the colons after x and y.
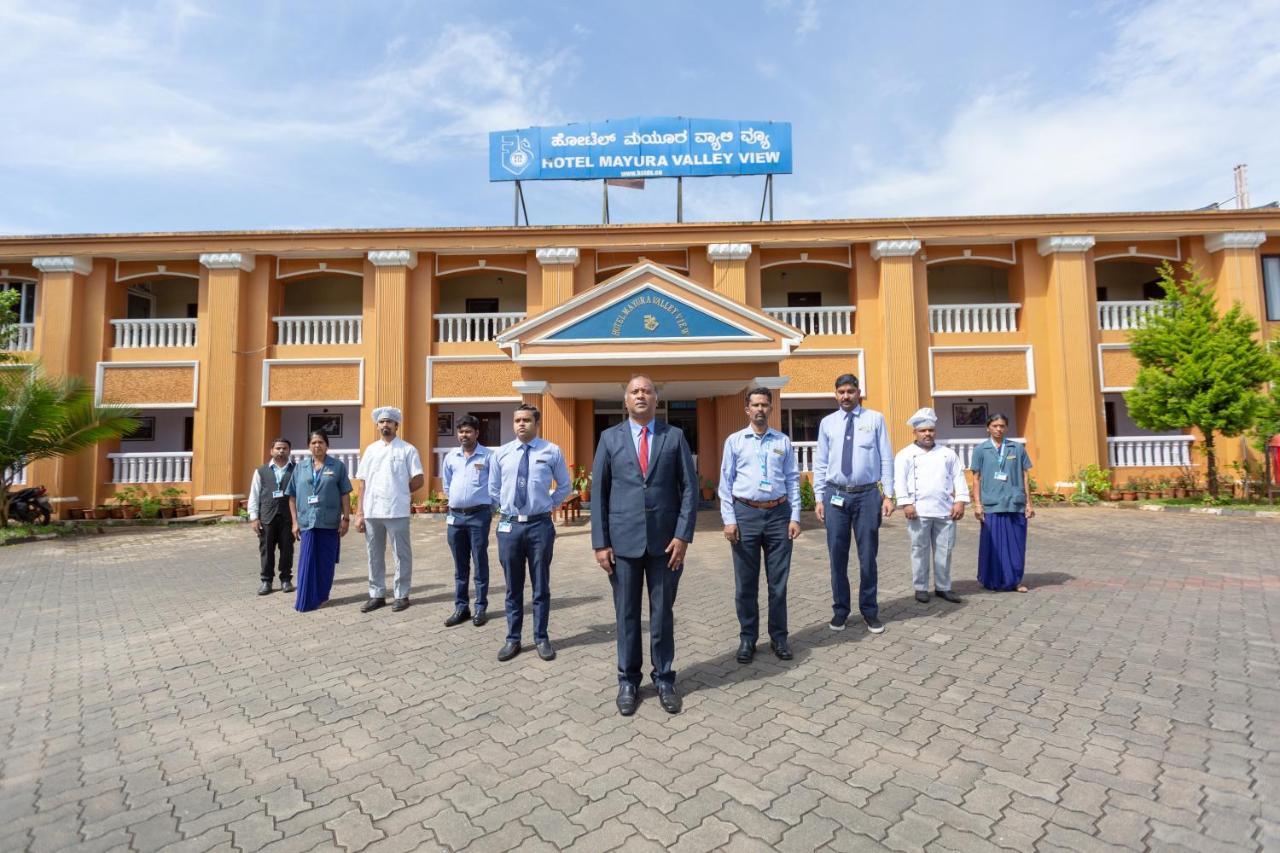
x: 321, y: 514
x: 1002, y: 503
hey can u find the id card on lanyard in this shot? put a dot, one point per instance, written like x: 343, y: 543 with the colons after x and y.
x: 762, y: 451
x: 1001, y: 474
x: 317, y: 479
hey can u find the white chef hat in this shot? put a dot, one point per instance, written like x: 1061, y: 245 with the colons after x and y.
x: 925, y: 417
x: 391, y: 412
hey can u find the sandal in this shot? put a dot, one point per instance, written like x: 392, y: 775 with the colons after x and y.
x: 1022, y: 588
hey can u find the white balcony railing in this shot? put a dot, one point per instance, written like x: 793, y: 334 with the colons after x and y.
x: 804, y: 454
x: 140, y: 334
x: 467, y: 328
x: 963, y: 447
x: 319, y: 331
x: 1150, y: 451
x: 832, y: 320
x: 349, y: 458
x: 1117, y: 316
x: 24, y: 338
x: 975, y: 318
x: 150, y: 467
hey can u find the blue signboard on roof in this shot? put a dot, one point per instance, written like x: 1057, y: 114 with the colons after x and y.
x: 649, y: 314
x: 664, y: 147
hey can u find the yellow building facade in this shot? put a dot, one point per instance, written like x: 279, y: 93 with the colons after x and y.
x: 225, y: 340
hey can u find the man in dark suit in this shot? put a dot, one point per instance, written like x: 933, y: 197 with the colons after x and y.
x: 644, y: 501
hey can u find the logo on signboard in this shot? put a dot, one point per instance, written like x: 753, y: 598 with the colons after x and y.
x: 517, y: 154
x: 650, y: 323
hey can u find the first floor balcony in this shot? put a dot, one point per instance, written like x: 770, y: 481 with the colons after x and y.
x: 470, y: 328
x: 319, y: 330
x: 145, y: 334
x: 828, y: 320
x: 974, y: 318
x: 1124, y: 315
x: 1149, y: 451
x: 162, y: 467
x: 23, y: 338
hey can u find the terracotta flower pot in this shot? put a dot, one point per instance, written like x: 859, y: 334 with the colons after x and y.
x: 1113, y: 495
x: 129, y: 512
x: 99, y: 513
x: 1129, y: 496
x: 117, y: 512
x: 168, y: 511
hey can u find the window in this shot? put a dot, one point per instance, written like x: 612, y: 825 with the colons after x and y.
x: 483, y: 305
x: 1109, y: 414
x: 1271, y: 285
x: 804, y: 299
x: 1152, y: 290
x: 26, y: 310
x: 802, y: 424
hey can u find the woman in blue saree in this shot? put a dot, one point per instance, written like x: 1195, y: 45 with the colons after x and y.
x: 321, y: 514
x: 1002, y: 504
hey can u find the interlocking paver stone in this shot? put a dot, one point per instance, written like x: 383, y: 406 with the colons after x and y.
x: 151, y: 700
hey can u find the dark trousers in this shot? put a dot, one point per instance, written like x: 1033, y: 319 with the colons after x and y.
x: 761, y: 531
x: 469, y: 543
x: 629, y: 573
x: 276, y: 534
x: 527, y: 549
x: 860, y: 516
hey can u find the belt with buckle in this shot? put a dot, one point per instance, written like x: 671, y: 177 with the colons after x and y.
x: 468, y: 510
x: 526, y: 519
x: 762, y: 504
x: 854, y: 490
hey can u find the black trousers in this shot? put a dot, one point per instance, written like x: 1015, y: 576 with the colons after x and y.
x: 630, y: 576
x: 762, y: 532
x: 276, y: 534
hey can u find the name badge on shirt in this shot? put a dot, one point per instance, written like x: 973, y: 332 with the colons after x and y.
x: 313, y: 499
x: 766, y: 484
x: 448, y: 519
x: 504, y: 527
x: 278, y: 493
x: 837, y: 500
x: 1002, y: 476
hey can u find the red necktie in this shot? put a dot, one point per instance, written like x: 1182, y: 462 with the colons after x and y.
x: 644, y: 451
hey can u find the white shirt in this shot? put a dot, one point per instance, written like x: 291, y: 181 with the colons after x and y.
x: 386, y: 470
x: 931, y: 479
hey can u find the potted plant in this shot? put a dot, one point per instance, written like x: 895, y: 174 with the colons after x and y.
x: 171, y: 500
x: 1165, y: 485
x: 708, y: 489
x: 149, y: 506
x: 1129, y: 492
x: 582, y: 482
x: 100, y: 512
x: 438, y: 503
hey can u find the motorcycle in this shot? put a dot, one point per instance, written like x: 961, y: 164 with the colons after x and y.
x: 30, y: 506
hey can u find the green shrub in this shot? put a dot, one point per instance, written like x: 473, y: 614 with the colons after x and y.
x: 807, y: 499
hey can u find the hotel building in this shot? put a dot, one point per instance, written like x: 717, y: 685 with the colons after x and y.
x: 225, y: 340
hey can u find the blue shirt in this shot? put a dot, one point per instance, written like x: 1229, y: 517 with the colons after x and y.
x: 466, y: 479
x: 331, y: 484
x: 872, y: 455
x: 546, y: 464
x: 758, y: 468
x: 635, y: 437
x: 988, y: 462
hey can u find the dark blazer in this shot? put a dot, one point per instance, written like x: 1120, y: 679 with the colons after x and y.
x: 634, y: 516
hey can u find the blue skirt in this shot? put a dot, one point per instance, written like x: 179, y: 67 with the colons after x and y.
x: 1002, y: 550
x: 315, y: 567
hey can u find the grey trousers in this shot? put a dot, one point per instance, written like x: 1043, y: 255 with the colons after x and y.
x: 936, y: 537
x: 376, y: 531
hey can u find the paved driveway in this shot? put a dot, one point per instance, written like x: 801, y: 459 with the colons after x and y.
x: 148, y: 698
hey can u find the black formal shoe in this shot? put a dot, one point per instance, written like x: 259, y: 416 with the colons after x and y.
x: 480, y: 618
x: 264, y: 588
x: 781, y: 649
x: 669, y: 697
x: 399, y: 604
x: 545, y: 651
x: 372, y: 605
x: 923, y: 597
x: 286, y: 586
x: 746, y: 651
x: 948, y: 595
x: 462, y: 614
x: 627, y: 699
x: 508, y: 651
x: 837, y: 623
x: 874, y: 625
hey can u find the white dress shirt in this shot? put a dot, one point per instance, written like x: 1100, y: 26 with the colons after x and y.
x: 931, y: 479
x: 386, y: 469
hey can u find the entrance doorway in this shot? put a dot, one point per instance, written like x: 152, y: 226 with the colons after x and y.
x: 680, y: 413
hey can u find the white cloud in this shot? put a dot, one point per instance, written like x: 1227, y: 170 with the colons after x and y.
x: 1185, y: 91
x: 804, y: 12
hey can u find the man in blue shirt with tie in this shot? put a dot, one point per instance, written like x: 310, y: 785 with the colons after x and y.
x: 466, y: 481
x: 520, y: 477
x: 760, y: 508
x: 853, y: 489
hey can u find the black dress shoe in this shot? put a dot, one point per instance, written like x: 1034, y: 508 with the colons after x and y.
x: 781, y: 649
x: 286, y: 586
x: 923, y: 597
x: 669, y: 697
x: 627, y: 699
x: 399, y: 604
x: 264, y: 588
x: 462, y: 614
x: 545, y: 651
x: 948, y: 595
x: 508, y: 651
x: 746, y: 651
x: 480, y: 618
x: 372, y: 605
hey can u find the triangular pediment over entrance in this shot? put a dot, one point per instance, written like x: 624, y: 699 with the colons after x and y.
x: 649, y: 315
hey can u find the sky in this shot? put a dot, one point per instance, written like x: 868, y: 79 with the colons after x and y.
x: 183, y: 115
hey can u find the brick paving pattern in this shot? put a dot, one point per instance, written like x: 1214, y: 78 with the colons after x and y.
x: 149, y: 700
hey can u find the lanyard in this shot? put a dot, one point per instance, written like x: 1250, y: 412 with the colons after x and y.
x: 999, y: 453
x: 762, y: 453
x: 317, y: 477
x: 279, y: 472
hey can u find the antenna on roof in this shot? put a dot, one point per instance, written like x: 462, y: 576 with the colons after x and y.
x: 1242, y: 186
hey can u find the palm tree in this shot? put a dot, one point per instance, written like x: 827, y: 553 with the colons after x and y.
x: 43, y: 417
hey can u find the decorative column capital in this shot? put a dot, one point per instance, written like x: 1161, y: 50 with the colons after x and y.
x: 530, y: 386
x: 227, y: 261
x: 394, y: 258
x: 894, y: 249
x: 63, y: 263
x: 1076, y: 243
x: 728, y: 252
x: 773, y: 383
x: 1249, y: 240
x: 556, y: 256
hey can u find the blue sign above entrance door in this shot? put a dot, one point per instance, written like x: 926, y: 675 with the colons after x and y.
x: 650, y: 314
x: 663, y: 147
